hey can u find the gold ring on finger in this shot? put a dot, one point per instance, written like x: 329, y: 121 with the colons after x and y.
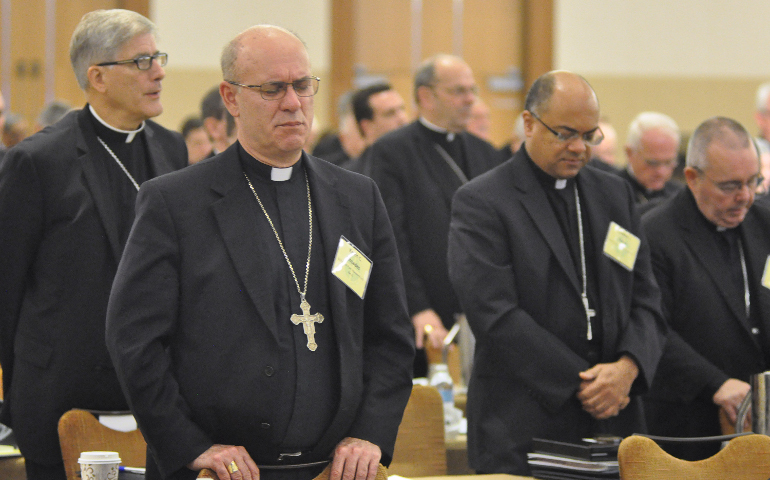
x: 232, y: 467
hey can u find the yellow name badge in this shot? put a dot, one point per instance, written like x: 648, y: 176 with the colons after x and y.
x: 352, y: 267
x: 621, y: 246
x: 766, y: 275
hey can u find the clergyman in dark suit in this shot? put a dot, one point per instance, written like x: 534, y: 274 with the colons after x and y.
x: 710, y: 249
x: 418, y: 168
x: 67, y: 199
x: 258, y: 318
x: 554, y: 276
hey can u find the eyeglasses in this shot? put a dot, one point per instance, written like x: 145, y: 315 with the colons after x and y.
x: 734, y: 186
x: 142, y: 63
x: 459, y: 90
x: 661, y: 163
x: 592, y: 138
x: 304, y: 87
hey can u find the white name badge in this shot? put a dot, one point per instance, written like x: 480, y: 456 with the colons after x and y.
x: 352, y: 267
x: 766, y: 275
x: 621, y: 246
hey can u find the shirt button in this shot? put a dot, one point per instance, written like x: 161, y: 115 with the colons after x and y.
x: 265, y: 426
x: 269, y: 371
x: 755, y: 331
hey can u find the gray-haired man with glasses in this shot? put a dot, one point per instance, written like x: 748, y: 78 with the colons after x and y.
x: 710, y: 249
x: 258, y: 320
x: 554, y: 276
x: 652, y: 150
x: 67, y: 198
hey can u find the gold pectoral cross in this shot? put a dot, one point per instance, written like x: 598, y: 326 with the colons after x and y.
x: 308, y: 322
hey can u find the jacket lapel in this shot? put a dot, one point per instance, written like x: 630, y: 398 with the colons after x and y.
x: 441, y: 174
x: 92, y: 159
x: 244, y: 243
x: 536, y: 204
x: 701, y: 249
x: 330, y: 204
x: 161, y: 164
x: 757, y: 258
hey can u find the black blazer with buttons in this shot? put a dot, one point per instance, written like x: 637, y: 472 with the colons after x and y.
x: 710, y: 338
x: 60, y: 250
x: 190, y: 328
x: 518, y: 286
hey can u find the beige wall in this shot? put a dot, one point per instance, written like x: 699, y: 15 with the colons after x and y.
x: 677, y: 57
x: 193, y: 33
x: 689, y: 59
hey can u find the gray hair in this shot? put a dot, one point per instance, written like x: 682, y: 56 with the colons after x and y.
x: 230, y: 52
x: 647, y: 121
x: 763, y: 92
x: 100, y: 35
x: 724, y: 130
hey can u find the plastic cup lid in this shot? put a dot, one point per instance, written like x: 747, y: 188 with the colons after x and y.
x: 99, y: 457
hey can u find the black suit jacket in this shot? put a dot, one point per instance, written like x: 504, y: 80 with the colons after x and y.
x: 417, y: 186
x: 710, y: 339
x: 512, y: 270
x: 60, y: 252
x: 189, y: 325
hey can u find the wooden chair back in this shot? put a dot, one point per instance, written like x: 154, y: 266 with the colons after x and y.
x: 746, y: 457
x: 80, y: 431
x: 420, y: 449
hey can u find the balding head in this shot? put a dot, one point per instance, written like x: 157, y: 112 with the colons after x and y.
x: 444, y: 91
x: 566, y: 106
x: 273, y: 126
x: 252, y: 40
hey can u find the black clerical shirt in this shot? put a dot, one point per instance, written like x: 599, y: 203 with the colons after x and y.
x: 133, y: 155
x: 310, y: 396
x: 562, y: 202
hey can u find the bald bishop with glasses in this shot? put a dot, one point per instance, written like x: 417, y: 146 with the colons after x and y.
x: 710, y: 249
x: 553, y: 273
x: 67, y: 199
x: 258, y: 319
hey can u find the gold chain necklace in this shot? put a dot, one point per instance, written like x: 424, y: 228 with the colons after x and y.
x: 307, y: 320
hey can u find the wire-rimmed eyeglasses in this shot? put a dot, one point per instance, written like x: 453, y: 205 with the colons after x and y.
x: 731, y: 187
x: 303, y: 87
x: 592, y: 138
x: 142, y: 63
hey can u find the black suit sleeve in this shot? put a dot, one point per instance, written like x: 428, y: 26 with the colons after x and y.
x: 21, y: 231
x: 387, y: 173
x: 141, y: 318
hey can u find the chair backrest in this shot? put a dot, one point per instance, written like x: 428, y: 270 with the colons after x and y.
x: 745, y: 457
x: 420, y: 449
x: 80, y: 431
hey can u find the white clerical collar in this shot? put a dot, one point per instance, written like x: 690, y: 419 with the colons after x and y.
x: 130, y: 133
x: 430, y: 126
x: 560, y: 184
x: 281, y: 174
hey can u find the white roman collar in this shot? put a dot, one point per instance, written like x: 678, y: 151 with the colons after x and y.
x: 281, y: 174
x: 430, y: 126
x: 130, y: 133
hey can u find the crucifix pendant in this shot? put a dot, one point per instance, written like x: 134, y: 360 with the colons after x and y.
x: 308, y: 322
x: 590, y: 313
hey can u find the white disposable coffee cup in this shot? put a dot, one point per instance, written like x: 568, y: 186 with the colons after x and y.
x: 99, y: 465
